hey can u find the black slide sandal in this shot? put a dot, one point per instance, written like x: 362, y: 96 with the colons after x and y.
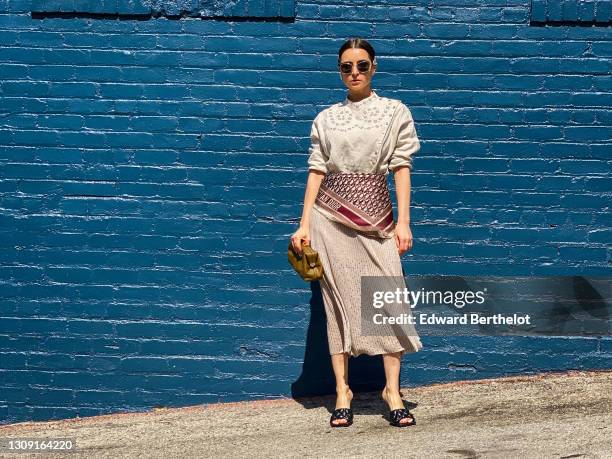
x: 401, y: 413
x: 341, y: 413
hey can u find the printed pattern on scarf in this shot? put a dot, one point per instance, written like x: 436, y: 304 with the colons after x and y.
x: 359, y: 200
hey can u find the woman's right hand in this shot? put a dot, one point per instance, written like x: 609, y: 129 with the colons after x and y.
x: 301, y: 236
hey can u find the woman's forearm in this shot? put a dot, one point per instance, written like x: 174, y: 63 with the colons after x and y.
x: 312, y: 189
x: 402, y: 190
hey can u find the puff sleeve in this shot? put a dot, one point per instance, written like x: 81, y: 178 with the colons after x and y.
x: 407, y: 143
x: 317, y: 155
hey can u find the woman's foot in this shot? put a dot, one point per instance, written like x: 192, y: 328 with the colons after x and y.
x: 344, y: 398
x: 394, y: 400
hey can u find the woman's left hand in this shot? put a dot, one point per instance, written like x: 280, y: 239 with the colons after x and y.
x: 403, y: 237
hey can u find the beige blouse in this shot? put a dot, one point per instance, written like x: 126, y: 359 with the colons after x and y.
x: 375, y: 134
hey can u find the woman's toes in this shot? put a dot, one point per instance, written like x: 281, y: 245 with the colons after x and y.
x: 407, y: 421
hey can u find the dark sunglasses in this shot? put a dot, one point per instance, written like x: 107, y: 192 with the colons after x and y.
x: 347, y: 67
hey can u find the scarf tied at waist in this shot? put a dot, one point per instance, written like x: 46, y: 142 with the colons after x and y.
x: 358, y: 200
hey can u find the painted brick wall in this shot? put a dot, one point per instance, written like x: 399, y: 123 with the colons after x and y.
x: 153, y: 165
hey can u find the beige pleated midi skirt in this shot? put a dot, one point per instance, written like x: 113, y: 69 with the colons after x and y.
x: 347, y: 254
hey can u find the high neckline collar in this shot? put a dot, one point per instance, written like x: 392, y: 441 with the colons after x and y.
x: 372, y: 95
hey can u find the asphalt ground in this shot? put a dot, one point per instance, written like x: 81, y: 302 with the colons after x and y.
x: 555, y: 415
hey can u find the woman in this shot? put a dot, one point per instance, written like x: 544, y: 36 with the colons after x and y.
x: 348, y: 214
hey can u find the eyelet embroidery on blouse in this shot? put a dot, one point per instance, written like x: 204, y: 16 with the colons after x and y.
x: 363, y: 116
x: 358, y: 136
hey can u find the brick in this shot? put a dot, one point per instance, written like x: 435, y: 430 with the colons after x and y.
x: 148, y: 189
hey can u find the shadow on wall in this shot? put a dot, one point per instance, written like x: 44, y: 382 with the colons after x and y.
x: 366, y: 373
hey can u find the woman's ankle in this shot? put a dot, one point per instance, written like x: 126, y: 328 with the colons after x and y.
x: 391, y: 390
x: 342, y: 389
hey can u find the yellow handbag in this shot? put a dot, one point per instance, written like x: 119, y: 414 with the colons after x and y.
x: 308, y: 265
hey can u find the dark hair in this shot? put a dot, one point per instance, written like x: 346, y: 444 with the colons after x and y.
x: 357, y: 43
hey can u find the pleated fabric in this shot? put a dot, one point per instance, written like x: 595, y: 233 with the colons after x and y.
x: 346, y: 255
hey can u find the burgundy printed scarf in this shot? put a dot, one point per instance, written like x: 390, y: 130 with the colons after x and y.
x: 358, y: 200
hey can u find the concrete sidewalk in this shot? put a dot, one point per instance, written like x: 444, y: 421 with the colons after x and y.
x: 558, y: 415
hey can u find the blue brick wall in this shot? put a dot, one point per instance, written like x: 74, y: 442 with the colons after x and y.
x: 152, y: 171
x: 571, y: 11
x: 168, y: 8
